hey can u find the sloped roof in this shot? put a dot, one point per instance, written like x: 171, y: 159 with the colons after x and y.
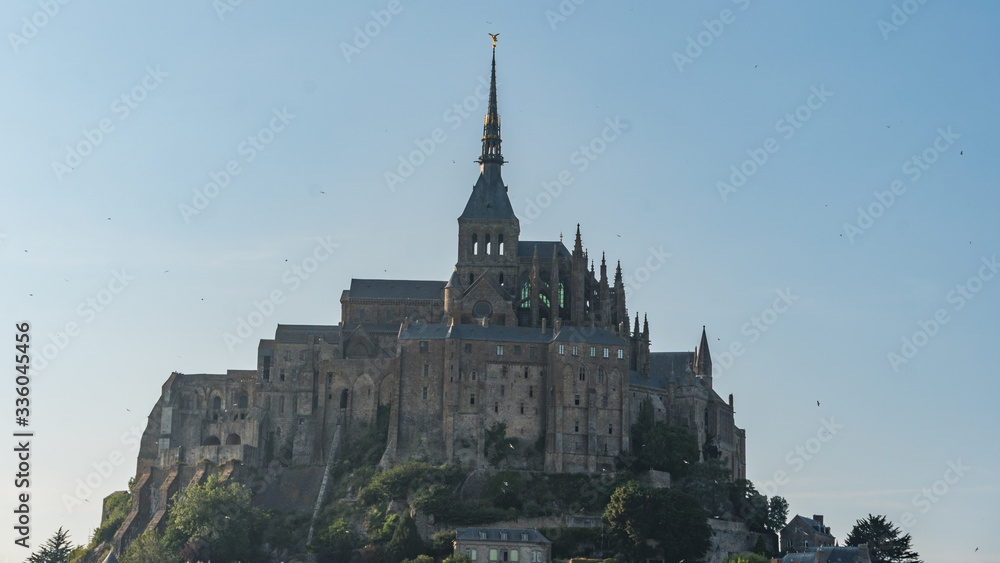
x: 299, y: 334
x: 526, y: 249
x: 666, y: 368
x: 493, y: 534
x: 397, y: 289
x: 838, y: 554
x: 501, y: 333
x: 489, y: 197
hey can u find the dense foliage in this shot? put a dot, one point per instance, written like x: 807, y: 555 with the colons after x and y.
x: 885, y: 545
x: 673, y: 519
x: 55, y: 550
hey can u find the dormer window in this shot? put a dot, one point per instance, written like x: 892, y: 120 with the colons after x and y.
x: 482, y: 535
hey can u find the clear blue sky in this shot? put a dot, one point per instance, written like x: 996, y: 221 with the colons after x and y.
x: 837, y: 103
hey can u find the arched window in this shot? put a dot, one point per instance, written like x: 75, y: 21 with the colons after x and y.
x: 233, y: 440
x: 216, y: 403
x: 500, y: 243
x: 475, y: 244
x: 243, y: 401
x: 488, y: 246
x: 526, y: 295
x: 211, y: 441
x: 583, y: 374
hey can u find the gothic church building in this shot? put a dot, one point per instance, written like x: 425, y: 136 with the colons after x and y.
x: 521, y: 333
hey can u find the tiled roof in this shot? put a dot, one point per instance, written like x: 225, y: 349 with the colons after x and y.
x: 397, y: 289
x: 494, y: 534
x: 526, y: 249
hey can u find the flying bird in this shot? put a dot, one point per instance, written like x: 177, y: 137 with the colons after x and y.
x: 817, y: 403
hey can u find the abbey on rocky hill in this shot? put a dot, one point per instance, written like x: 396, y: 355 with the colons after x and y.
x: 522, y: 333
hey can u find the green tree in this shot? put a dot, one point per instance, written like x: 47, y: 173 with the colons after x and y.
x: 55, y: 550
x: 708, y: 482
x: 457, y: 558
x: 335, y: 542
x: 149, y: 547
x: 219, y: 515
x: 673, y: 519
x: 777, y: 513
x: 748, y: 504
x: 746, y: 558
x: 405, y: 542
x: 660, y: 446
x: 885, y: 545
x: 442, y: 543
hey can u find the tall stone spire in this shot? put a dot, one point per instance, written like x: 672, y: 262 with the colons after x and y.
x: 491, y: 123
x: 703, y: 361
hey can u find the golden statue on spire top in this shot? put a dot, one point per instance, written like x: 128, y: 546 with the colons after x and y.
x: 494, y: 36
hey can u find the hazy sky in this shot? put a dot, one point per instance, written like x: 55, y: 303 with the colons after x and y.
x: 811, y: 181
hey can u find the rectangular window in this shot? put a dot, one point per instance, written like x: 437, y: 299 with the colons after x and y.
x: 493, y: 555
x: 503, y: 536
x: 304, y: 355
x: 482, y: 535
x: 533, y: 352
x: 562, y: 349
x: 496, y: 407
x: 281, y: 374
x: 517, y: 350
x: 503, y: 555
x: 576, y: 350
x: 468, y: 349
x: 522, y: 408
x: 425, y: 393
x: 501, y: 390
x: 513, y: 554
x: 424, y: 345
x: 606, y: 352
x: 499, y: 349
x: 576, y: 400
x: 604, y: 401
x: 576, y: 427
x: 611, y: 429
x: 472, y: 554
x: 524, y: 536
x: 427, y: 370
x: 621, y: 353
x: 288, y: 355
x: 472, y: 399
x: 593, y: 351
x: 526, y: 373
x: 531, y: 391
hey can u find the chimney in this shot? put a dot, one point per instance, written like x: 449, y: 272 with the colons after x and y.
x: 818, y: 518
x: 543, y: 325
x: 730, y: 400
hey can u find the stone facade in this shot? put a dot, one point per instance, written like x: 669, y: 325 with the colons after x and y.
x: 498, y: 545
x: 527, y: 334
x: 802, y: 534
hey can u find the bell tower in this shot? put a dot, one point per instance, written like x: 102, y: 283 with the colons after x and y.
x: 488, y: 230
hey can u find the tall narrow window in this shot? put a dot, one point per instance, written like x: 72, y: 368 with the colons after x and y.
x: 475, y: 244
x: 488, y: 246
x: 531, y: 391
x: 425, y: 393
x: 472, y: 399
x: 500, y: 244
x: 583, y: 374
